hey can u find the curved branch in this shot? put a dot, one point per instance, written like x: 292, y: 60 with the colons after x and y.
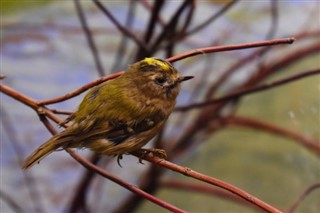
x: 246, y: 91
x: 80, y: 90
x: 121, y: 182
x: 230, y: 47
x: 266, y: 71
x: 171, y: 59
x: 211, y: 19
x: 78, y: 201
x: 121, y: 28
x: 202, y: 188
x: 42, y: 111
x: 309, y: 143
x: 303, y: 196
x: 19, y: 96
x: 156, y: 160
x: 90, y: 40
x: 169, y: 28
x: 210, y: 180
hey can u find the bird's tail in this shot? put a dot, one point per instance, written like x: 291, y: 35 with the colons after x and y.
x: 45, y: 149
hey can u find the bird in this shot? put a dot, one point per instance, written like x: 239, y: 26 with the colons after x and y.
x: 121, y: 115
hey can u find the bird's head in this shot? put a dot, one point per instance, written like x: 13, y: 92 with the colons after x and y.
x: 157, y: 78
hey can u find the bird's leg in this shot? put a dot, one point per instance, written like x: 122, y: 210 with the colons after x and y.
x: 140, y: 154
x: 155, y: 152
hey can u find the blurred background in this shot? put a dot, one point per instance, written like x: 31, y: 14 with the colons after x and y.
x: 254, y: 142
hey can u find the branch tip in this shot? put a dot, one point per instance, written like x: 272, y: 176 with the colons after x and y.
x: 291, y: 40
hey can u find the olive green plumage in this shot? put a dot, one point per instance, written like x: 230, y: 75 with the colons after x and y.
x: 121, y: 115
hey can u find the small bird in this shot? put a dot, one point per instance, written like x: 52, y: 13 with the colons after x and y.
x: 121, y: 115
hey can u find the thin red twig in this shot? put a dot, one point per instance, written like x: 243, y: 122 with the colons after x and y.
x: 89, y: 37
x: 203, y: 188
x: 247, y: 91
x: 172, y: 59
x: 212, y: 18
x: 309, y: 143
x: 44, y: 111
x: 183, y: 170
x: 210, y: 180
x: 230, y: 47
x: 124, y: 30
x: 301, y: 197
x: 123, y: 183
x: 80, y: 90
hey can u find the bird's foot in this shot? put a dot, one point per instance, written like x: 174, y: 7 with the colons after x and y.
x: 161, y: 153
x: 155, y: 152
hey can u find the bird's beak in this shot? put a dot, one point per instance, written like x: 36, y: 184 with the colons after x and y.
x: 185, y: 78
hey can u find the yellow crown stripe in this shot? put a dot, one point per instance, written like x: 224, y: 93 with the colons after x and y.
x: 154, y: 61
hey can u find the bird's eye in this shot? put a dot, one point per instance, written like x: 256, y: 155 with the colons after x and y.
x: 160, y: 80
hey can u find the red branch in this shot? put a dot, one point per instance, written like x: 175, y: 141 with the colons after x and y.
x: 309, y: 143
x: 246, y: 91
x: 202, y: 188
x: 172, y: 59
x: 303, y: 196
x: 133, y: 188
x: 210, y: 180
x: 42, y: 111
x: 231, y: 47
x: 80, y: 90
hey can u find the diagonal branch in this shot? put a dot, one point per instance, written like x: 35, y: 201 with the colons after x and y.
x: 210, y: 180
x: 170, y: 28
x: 149, y: 32
x: 159, y: 161
x: 203, y: 188
x: 171, y: 59
x: 42, y: 111
x: 246, y: 91
x: 212, y: 18
x: 230, y: 47
x: 303, y: 196
x: 309, y: 143
x: 80, y: 90
x: 121, y: 28
x: 121, y: 182
x: 89, y: 37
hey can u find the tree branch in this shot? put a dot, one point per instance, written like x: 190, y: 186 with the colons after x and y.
x: 89, y: 37
x: 44, y: 111
x: 210, y: 180
x: 301, y: 197
x: 246, y: 91
x: 309, y: 143
x: 230, y: 47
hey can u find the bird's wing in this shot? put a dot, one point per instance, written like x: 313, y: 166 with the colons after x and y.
x: 109, y: 113
x: 113, y: 130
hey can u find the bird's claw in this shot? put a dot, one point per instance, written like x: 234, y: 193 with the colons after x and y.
x: 143, y: 152
x: 155, y: 152
x: 119, y: 157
